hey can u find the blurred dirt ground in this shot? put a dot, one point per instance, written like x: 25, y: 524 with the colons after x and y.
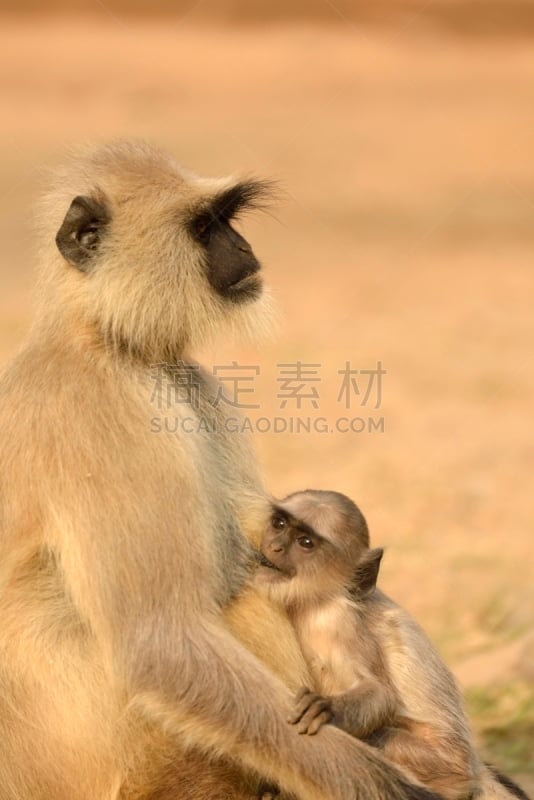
x: 404, y: 235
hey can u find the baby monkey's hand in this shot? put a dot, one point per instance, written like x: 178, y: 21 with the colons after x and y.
x: 312, y: 711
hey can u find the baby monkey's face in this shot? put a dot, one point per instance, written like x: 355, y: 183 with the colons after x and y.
x: 316, y: 545
x: 288, y: 547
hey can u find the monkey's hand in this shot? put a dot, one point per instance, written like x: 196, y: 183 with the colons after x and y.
x: 312, y: 711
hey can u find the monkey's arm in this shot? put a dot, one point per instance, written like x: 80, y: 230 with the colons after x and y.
x: 365, y: 708
x: 240, y: 709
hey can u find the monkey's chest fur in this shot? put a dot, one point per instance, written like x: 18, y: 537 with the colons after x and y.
x: 229, y: 476
x: 330, y: 647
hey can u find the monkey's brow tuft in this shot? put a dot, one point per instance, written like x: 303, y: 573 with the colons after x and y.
x: 251, y: 194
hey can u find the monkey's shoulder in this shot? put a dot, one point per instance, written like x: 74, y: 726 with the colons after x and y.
x: 399, y: 633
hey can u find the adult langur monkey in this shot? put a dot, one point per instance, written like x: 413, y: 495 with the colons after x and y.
x: 121, y: 545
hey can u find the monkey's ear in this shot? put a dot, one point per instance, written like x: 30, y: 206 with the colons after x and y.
x: 81, y: 231
x: 366, y: 574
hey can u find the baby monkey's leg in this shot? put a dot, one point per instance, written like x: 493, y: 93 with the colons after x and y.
x: 444, y: 764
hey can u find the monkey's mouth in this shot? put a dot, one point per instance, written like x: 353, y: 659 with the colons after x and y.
x: 247, y: 288
x: 262, y: 561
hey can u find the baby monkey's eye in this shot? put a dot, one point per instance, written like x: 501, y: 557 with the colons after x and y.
x: 277, y: 521
x: 306, y: 542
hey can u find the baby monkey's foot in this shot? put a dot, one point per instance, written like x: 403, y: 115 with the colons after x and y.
x: 312, y: 711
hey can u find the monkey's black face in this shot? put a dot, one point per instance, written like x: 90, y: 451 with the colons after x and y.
x: 288, y: 547
x: 232, y: 266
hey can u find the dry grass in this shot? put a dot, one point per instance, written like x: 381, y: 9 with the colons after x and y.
x: 406, y: 236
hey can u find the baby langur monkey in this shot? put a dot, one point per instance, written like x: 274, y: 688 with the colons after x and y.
x: 376, y: 675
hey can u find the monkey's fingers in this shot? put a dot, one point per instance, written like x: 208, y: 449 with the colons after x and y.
x: 305, y: 698
x: 317, y: 715
x: 316, y: 724
x: 302, y: 692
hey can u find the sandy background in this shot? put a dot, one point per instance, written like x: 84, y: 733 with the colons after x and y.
x: 404, y: 235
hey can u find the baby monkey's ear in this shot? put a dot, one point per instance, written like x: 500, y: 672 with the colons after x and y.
x: 366, y: 573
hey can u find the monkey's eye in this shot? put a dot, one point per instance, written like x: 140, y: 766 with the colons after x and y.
x: 277, y: 521
x: 202, y: 228
x: 305, y: 542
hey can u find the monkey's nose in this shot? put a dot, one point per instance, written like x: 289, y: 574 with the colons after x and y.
x: 277, y: 548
